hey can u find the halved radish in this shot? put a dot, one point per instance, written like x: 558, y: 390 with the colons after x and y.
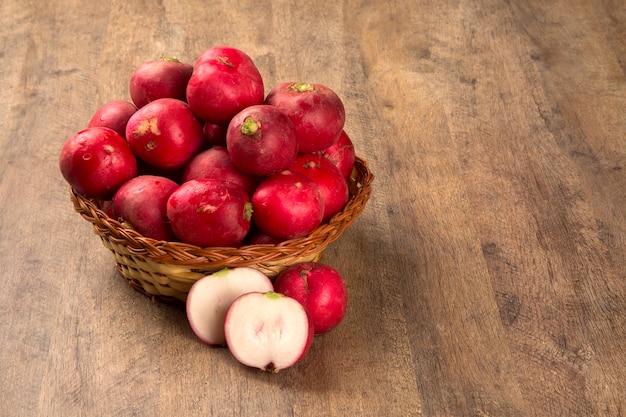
x: 269, y: 331
x: 210, y: 297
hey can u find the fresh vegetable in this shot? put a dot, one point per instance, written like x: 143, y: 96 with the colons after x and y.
x: 268, y: 331
x: 97, y: 161
x: 141, y: 203
x: 261, y: 140
x: 316, y: 111
x: 208, y: 212
x: 113, y: 114
x: 165, y: 77
x: 224, y: 81
x: 210, y: 297
x: 328, y: 178
x: 214, y: 135
x: 287, y: 205
x: 342, y: 154
x: 320, y: 288
x: 216, y: 163
x: 165, y: 133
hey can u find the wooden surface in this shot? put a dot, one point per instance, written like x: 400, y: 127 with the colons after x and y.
x: 486, y: 276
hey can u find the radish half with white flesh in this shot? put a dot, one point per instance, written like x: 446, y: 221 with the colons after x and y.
x: 210, y: 297
x: 268, y: 331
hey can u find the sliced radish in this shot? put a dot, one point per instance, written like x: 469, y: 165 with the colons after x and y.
x: 269, y: 331
x: 210, y: 297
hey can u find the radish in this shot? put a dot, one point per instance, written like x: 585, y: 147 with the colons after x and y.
x: 163, y: 78
x: 268, y: 331
x: 214, y: 135
x: 208, y: 212
x: 257, y: 237
x: 320, y: 289
x: 210, y: 297
x: 328, y: 178
x: 97, y: 161
x: 287, y: 205
x: 316, y: 111
x: 224, y: 82
x: 165, y: 133
x: 113, y: 114
x: 342, y: 154
x: 141, y: 203
x: 216, y: 163
x: 261, y: 140
x: 107, y: 207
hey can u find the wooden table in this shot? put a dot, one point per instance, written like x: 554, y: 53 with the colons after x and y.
x: 486, y: 275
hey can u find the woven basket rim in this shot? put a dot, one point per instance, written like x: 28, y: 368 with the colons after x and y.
x: 180, y: 253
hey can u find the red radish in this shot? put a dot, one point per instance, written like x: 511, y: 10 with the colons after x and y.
x: 316, y: 111
x: 163, y: 78
x: 208, y: 212
x: 342, y: 154
x: 216, y: 163
x: 224, y: 82
x: 261, y: 140
x: 97, y: 161
x: 113, y: 114
x: 268, y: 331
x: 210, y: 297
x: 287, y: 205
x: 257, y: 237
x: 107, y: 207
x: 328, y: 178
x: 165, y: 133
x: 320, y: 289
x: 214, y: 135
x: 141, y: 203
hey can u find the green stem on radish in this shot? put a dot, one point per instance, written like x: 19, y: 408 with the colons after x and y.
x: 301, y: 87
x: 168, y: 58
x: 249, y: 126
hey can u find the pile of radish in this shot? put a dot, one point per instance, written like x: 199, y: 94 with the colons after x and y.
x: 285, y: 156
x: 200, y: 154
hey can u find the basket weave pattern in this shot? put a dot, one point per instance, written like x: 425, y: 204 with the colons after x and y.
x: 165, y: 271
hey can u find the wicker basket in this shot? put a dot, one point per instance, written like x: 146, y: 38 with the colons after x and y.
x: 166, y: 270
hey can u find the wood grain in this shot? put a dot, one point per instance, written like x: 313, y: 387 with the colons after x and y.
x: 486, y: 276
